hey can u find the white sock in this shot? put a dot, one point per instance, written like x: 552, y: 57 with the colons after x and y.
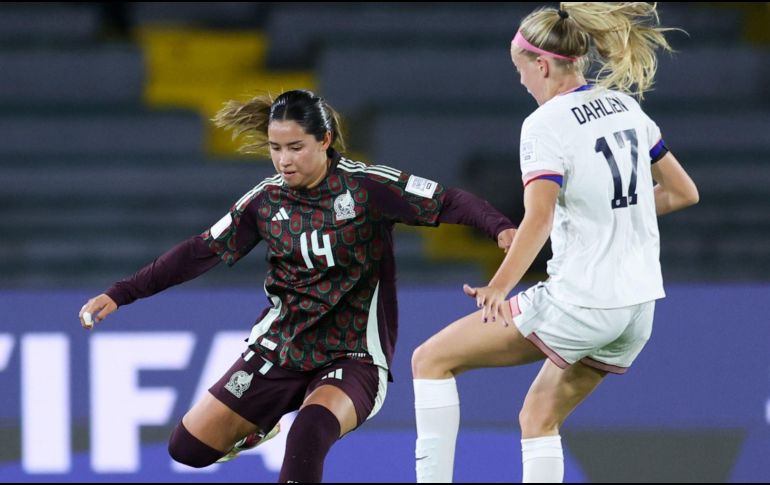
x: 437, y: 409
x: 543, y: 460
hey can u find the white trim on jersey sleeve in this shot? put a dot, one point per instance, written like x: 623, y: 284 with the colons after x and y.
x: 219, y: 228
x: 274, y: 180
x: 359, y: 167
x: 224, y: 224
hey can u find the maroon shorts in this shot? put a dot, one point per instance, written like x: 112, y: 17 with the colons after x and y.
x: 262, y: 393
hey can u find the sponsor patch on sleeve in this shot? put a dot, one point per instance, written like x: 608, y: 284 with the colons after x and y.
x: 527, y: 151
x: 420, y: 186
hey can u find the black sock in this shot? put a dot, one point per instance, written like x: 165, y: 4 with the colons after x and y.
x: 312, y: 435
x: 189, y: 450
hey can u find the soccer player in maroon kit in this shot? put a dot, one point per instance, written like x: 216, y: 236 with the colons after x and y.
x: 325, y: 344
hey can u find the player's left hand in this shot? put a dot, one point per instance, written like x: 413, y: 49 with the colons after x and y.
x: 491, y: 300
x: 95, y: 310
x: 505, y: 239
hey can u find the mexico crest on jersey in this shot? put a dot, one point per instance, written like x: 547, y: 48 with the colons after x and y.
x: 344, y: 207
x: 239, y: 383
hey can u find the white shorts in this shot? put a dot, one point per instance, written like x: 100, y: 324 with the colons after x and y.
x: 607, y: 339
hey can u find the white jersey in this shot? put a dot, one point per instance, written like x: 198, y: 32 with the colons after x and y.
x: 599, y: 145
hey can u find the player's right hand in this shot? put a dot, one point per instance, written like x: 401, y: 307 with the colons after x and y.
x: 491, y: 300
x: 505, y: 239
x: 95, y: 310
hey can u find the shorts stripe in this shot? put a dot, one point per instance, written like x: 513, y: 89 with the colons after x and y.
x: 602, y: 366
x: 553, y: 356
x: 382, y: 391
x: 515, y: 308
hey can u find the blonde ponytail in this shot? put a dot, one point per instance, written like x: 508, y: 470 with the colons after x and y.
x: 623, y: 36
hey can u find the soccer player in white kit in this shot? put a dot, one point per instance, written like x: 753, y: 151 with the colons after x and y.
x: 597, y: 173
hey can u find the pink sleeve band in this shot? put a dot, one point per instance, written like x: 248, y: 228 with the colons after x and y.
x: 520, y: 41
x: 530, y: 176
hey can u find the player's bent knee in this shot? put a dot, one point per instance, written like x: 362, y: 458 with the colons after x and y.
x: 189, y: 450
x: 430, y: 362
x: 538, y: 423
x: 423, y: 362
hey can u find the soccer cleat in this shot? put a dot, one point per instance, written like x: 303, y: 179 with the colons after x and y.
x: 251, y: 441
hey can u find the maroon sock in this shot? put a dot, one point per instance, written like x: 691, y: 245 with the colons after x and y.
x: 311, y: 436
x: 189, y: 450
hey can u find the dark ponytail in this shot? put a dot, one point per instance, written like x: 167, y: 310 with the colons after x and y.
x: 252, y: 118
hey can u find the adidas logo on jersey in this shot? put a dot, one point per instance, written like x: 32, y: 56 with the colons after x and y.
x: 335, y: 374
x: 282, y: 215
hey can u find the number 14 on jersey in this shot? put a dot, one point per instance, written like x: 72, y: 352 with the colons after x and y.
x: 320, y: 250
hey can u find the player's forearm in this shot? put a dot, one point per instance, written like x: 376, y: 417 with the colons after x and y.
x: 675, y: 189
x: 183, y: 262
x: 529, y: 240
x: 461, y: 207
x: 667, y: 201
x: 663, y: 204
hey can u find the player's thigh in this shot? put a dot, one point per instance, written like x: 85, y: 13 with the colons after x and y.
x: 468, y: 343
x: 215, y: 424
x: 352, y: 390
x: 251, y: 396
x: 338, y: 403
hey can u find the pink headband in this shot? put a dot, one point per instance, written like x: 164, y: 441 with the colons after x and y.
x: 520, y: 41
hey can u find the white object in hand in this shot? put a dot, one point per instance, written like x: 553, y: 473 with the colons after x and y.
x: 88, y: 319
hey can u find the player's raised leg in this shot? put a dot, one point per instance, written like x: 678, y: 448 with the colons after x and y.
x: 465, y: 344
x: 207, y: 432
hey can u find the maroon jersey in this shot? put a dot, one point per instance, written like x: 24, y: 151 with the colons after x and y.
x: 331, y: 271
